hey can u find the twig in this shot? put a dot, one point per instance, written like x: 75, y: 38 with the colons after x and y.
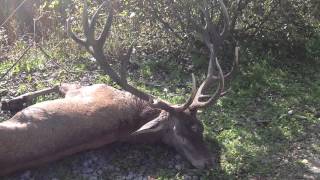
x: 13, y: 13
x: 31, y: 95
x: 23, y: 54
x: 18, y: 103
x: 166, y: 25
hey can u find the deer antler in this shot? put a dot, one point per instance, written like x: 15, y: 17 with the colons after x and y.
x: 211, y: 38
x: 95, y: 48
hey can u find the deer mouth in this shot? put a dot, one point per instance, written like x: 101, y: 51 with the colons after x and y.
x: 202, y: 163
x: 198, y: 156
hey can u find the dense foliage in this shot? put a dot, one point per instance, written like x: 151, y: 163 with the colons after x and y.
x: 286, y: 29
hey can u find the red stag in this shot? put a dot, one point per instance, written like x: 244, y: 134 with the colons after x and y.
x: 89, y: 117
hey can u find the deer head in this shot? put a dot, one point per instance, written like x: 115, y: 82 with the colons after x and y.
x: 176, y: 125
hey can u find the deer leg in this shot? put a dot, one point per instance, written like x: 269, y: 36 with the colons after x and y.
x: 18, y: 103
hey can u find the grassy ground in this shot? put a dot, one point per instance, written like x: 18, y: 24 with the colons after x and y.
x: 267, y: 127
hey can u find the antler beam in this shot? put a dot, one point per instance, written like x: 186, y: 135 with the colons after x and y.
x: 210, y: 35
x: 95, y: 47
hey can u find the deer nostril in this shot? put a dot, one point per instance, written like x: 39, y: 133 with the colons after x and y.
x: 199, y: 165
x: 204, y: 163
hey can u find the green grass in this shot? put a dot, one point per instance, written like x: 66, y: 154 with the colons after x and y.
x: 267, y: 111
x: 254, y: 122
x: 269, y: 114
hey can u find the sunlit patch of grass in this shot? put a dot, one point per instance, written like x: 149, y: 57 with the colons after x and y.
x: 267, y: 109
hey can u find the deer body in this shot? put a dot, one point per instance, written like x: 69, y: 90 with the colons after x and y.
x: 87, y: 118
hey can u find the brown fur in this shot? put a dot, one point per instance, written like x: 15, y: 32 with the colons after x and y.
x: 87, y: 118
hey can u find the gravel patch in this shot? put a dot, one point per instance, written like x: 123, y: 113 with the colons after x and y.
x: 116, y: 161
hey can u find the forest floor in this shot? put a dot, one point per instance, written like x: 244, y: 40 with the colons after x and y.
x: 267, y: 127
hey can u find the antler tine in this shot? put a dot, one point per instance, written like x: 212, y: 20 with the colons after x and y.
x: 212, y: 57
x: 93, y: 20
x: 190, y: 99
x: 234, y: 64
x: 124, y: 64
x: 210, y: 31
x: 196, y: 104
x: 225, y: 17
x: 106, y: 29
x: 89, y: 41
x: 73, y: 36
x: 85, y: 20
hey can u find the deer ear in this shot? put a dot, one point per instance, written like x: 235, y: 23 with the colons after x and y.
x: 153, y: 126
